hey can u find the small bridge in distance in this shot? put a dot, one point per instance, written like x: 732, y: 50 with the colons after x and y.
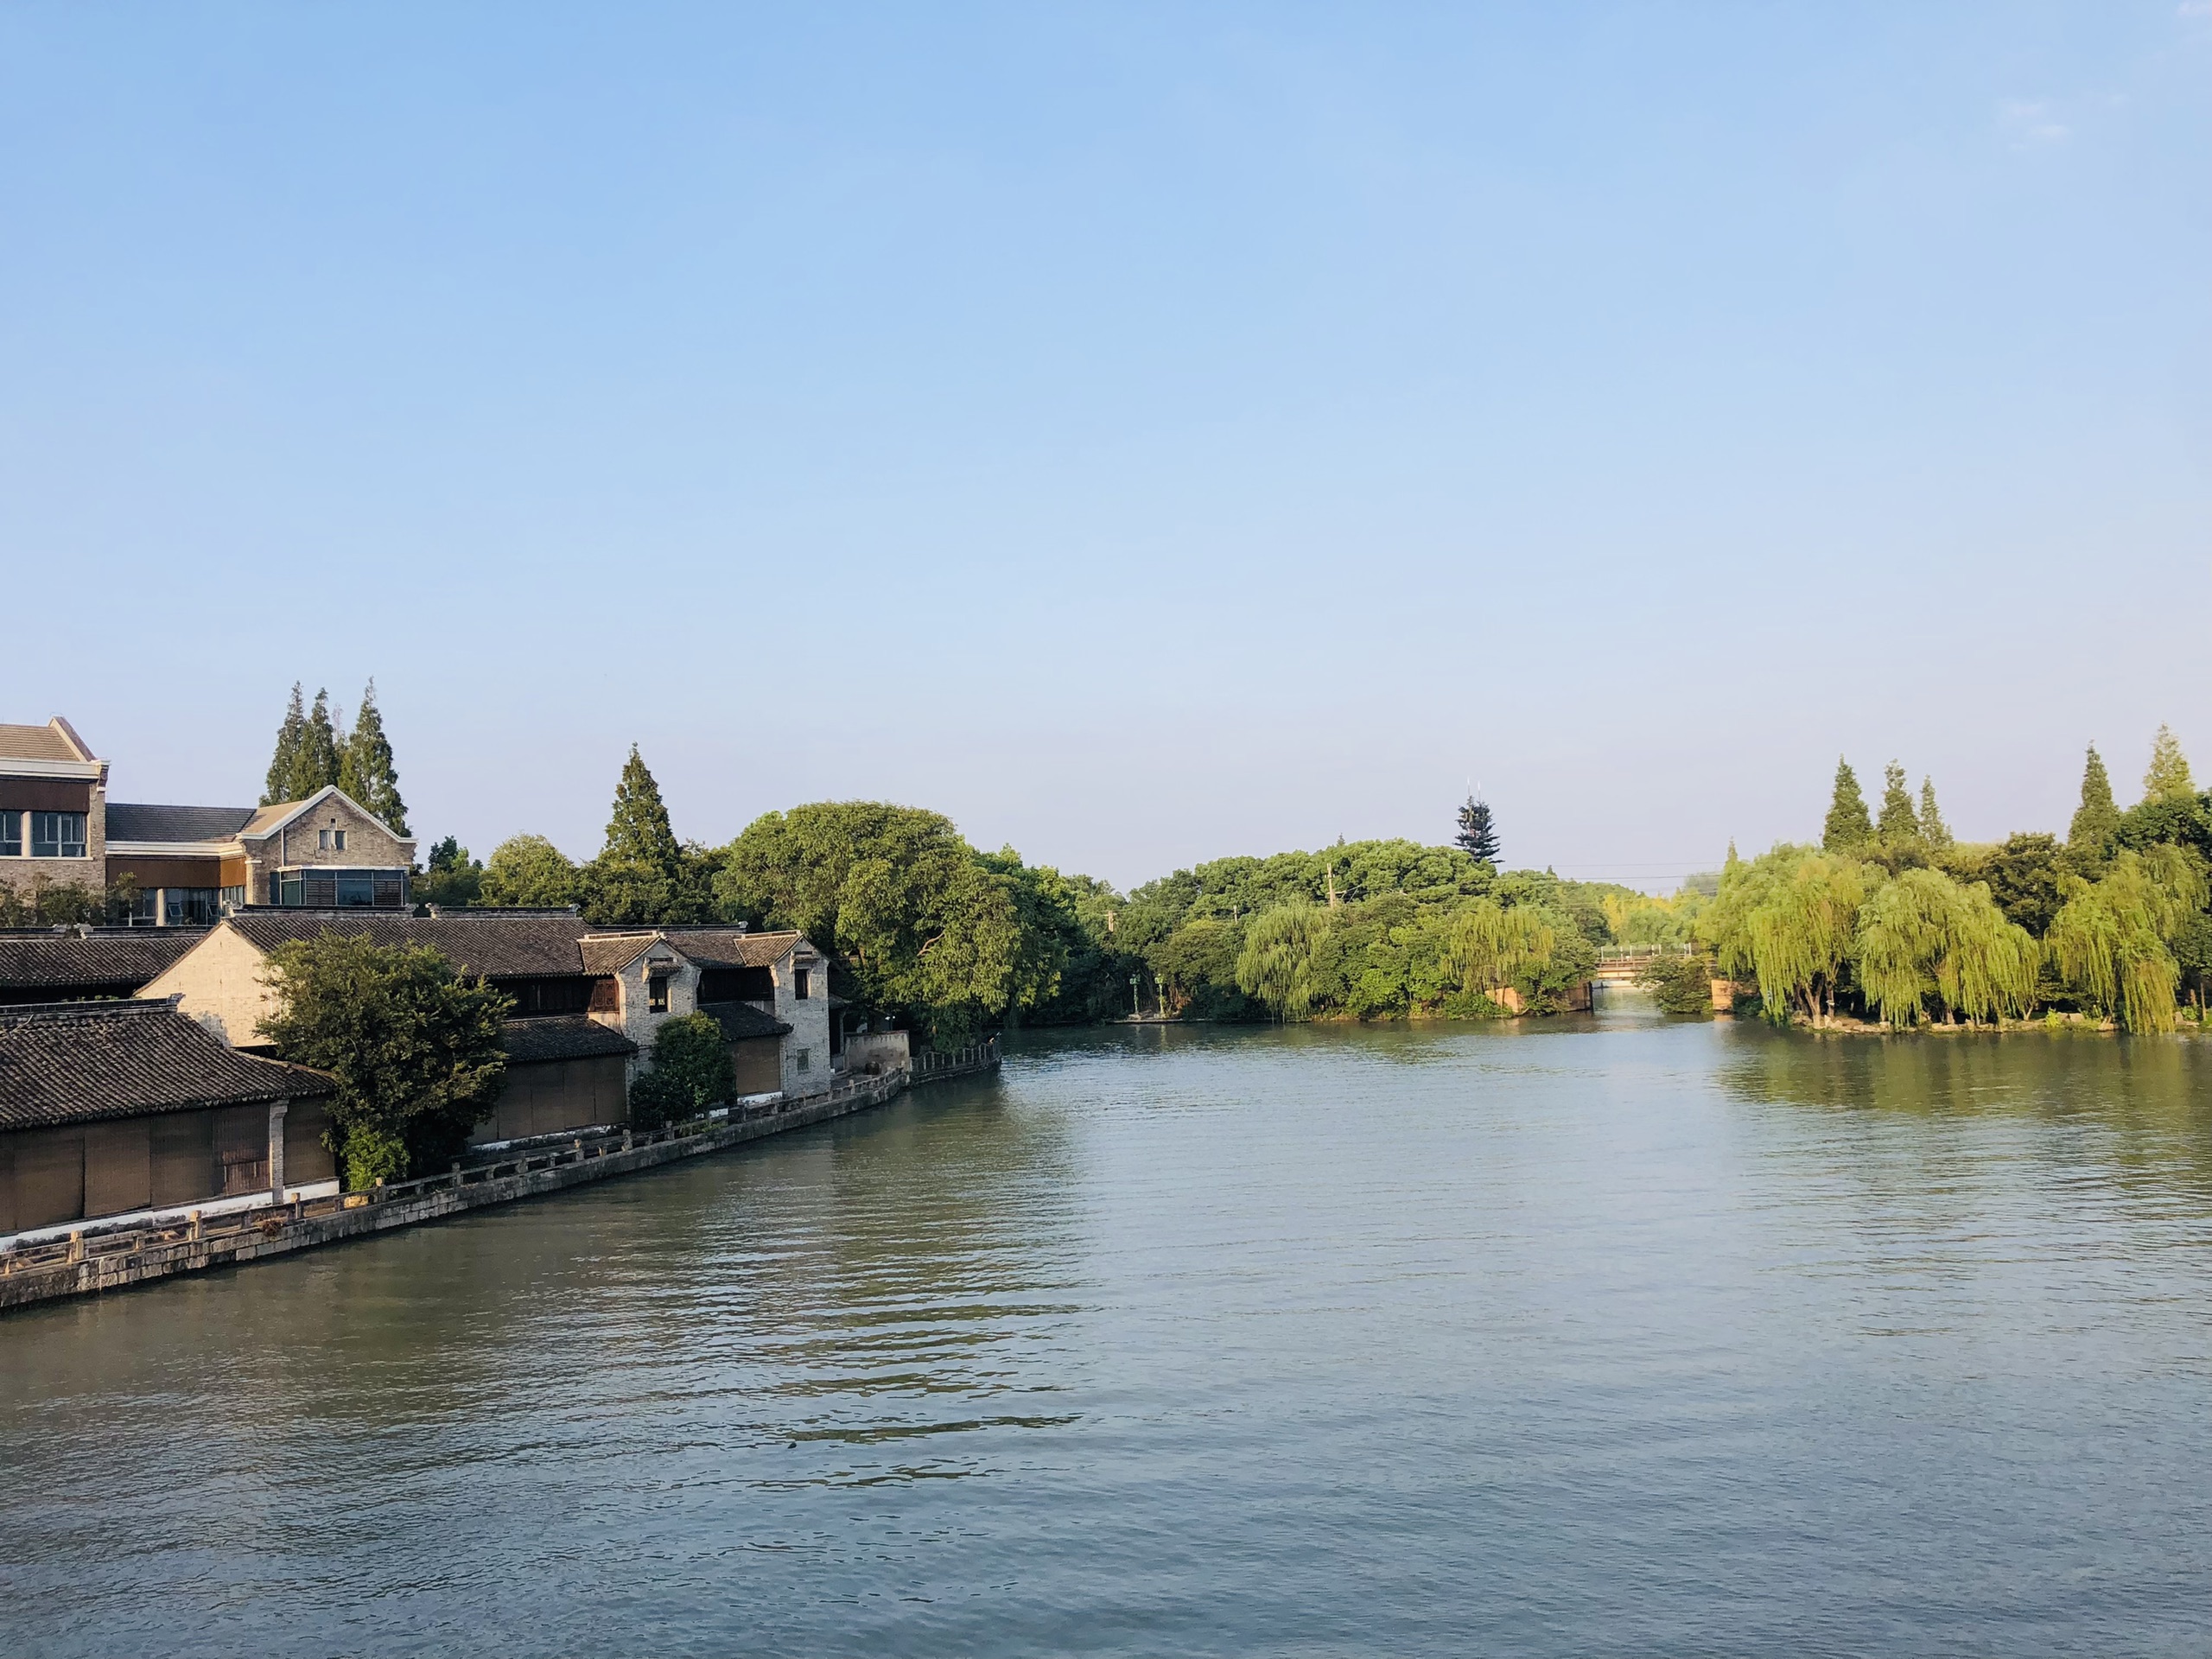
x: 1619, y: 965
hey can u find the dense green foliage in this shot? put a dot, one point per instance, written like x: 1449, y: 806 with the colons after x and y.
x: 414, y: 1049
x: 692, y: 1071
x: 451, y: 877
x: 1904, y: 924
x: 643, y: 874
x: 528, y: 871
x: 309, y: 755
x: 1681, y: 982
x: 1848, y: 826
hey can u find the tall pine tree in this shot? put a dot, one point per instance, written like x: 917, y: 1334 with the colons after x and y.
x: 2096, y: 822
x: 1933, y: 829
x: 365, y: 770
x: 2168, y: 779
x: 643, y: 874
x: 1898, y: 822
x: 1478, y: 832
x: 284, y: 764
x: 1847, y: 827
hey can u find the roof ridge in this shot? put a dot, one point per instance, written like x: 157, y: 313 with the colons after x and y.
x: 25, y: 1014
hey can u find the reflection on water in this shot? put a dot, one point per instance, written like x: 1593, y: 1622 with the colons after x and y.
x: 1601, y: 1335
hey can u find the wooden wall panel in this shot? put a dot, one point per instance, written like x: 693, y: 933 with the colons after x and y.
x: 49, y: 1176
x: 182, y: 1158
x: 119, y: 1174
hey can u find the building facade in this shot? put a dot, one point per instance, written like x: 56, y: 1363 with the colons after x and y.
x: 187, y: 865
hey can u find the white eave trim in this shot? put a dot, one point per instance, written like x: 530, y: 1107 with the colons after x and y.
x: 174, y: 849
x: 316, y: 800
x: 89, y: 770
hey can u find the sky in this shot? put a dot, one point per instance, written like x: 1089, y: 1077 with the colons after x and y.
x: 1142, y: 433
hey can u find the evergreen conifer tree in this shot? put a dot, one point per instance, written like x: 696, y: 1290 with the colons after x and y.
x: 1848, y: 825
x: 1933, y: 829
x: 285, y: 763
x: 1477, y: 831
x: 2096, y: 821
x: 315, y: 762
x: 1898, y: 822
x: 643, y: 874
x: 365, y: 767
x: 2168, y: 779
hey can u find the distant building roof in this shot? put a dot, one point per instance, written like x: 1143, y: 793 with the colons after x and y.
x: 739, y: 1020
x: 495, y: 946
x: 562, y: 1037
x: 211, y: 824
x: 50, y: 742
x: 610, y: 953
x: 81, y: 1062
x: 115, y: 961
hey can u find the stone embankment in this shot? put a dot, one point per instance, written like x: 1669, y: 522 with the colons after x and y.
x: 90, y: 1261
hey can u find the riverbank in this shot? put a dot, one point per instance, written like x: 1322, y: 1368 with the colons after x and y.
x: 90, y: 1261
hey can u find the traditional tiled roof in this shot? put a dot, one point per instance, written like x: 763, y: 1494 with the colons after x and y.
x: 739, y: 1020
x: 81, y: 1062
x: 731, y: 947
x: 35, y: 743
x: 610, y: 953
x: 126, y: 822
x: 562, y: 1037
x: 118, y: 961
x: 497, y: 946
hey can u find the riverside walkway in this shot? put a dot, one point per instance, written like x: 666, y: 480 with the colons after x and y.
x: 91, y: 1260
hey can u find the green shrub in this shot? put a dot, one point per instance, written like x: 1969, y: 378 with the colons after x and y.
x: 1682, y: 984
x: 692, y: 1071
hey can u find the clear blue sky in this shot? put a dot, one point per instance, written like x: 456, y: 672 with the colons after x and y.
x: 1144, y: 434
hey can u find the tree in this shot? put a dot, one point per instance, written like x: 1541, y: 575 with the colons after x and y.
x: 316, y: 766
x: 285, y: 763
x: 415, y: 1049
x: 1477, y: 835
x: 2114, y: 940
x: 691, y: 1071
x: 1848, y: 828
x: 1681, y: 984
x: 1277, y: 964
x: 2026, y: 877
x: 1491, y: 945
x: 1787, y: 920
x: 1933, y: 829
x: 451, y: 877
x: 2168, y: 779
x: 2096, y: 821
x: 1899, y: 823
x: 1922, y: 939
x: 528, y: 871
x: 365, y: 771
x: 643, y: 875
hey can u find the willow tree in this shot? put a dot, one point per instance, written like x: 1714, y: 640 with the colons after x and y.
x: 1922, y: 939
x: 2112, y: 939
x: 1278, y: 964
x: 1787, y: 920
x: 1489, y: 944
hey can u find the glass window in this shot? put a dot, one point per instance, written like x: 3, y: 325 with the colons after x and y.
x: 288, y: 888
x: 57, y: 835
x: 233, y: 897
x: 145, y: 907
x: 354, y: 889
x: 806, y: 1060
x: 799, y: 984
x: 188, y: 907
x: 338, y: 839
x: 11, y: 834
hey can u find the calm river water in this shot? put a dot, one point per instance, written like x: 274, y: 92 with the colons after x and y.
x: 1605, y: 1336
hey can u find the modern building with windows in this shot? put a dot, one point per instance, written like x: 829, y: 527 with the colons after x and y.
x: 187, y: 864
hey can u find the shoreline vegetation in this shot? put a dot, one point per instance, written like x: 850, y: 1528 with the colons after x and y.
x: 1886, y: 922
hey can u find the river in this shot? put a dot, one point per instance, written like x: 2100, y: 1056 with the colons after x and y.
x: 1599, y: 1336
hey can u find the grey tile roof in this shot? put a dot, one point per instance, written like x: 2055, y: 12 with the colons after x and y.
x: 126, y: 822
x: 739, y: 1020
x: 119, y: 962
x: 81, y: 1062
x: 498, y: 946
x: 562, y: 1037
x: 611, y: 953
x: 730, y: 947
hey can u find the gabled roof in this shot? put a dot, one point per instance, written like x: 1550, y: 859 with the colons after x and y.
x: 268, y: 820
x: 495, y: 946
x: 56, y: 741
x: 81, y: 1062
x: 208, y: 824
x: 562, y: 1036
x: 731, y: 947
x: 739, y: 1020
x: 610, y: 953
x: 117, y: 961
